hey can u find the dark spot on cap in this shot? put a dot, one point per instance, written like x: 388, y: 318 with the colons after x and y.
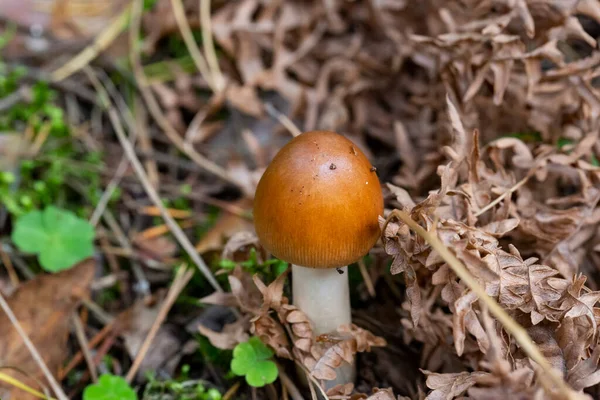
x: 332, y: 166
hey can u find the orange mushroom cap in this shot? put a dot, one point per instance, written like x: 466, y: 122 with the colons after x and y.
x: 318, y: 202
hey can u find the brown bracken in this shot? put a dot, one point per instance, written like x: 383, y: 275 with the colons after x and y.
x: 338, y: 223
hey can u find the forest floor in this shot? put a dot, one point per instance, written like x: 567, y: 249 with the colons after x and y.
x: 133, y: 136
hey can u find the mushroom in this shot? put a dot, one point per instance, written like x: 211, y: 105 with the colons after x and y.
x: 317, y: 207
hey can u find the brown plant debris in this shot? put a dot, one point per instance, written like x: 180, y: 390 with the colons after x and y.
x: 43, y: 307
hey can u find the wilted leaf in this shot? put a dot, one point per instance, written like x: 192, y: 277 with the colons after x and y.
x: 43, y: 307
x: 449, y: 386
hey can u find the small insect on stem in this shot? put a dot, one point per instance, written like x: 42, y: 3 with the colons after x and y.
x: 340, y: 271
x: 327, y: 338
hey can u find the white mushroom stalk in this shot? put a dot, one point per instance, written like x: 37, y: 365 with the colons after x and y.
x: 324, y: 296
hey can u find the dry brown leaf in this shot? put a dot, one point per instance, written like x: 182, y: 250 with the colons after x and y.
x: 229, y: 337
x: 324, y: 367
x: 134, y: 325
x: 382, y: 394
x: 449, y: 386
x: 226, y: 226
x: 43, y: 307
x: 245, y: 99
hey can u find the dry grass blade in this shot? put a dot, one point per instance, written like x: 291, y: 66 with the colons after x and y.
x: 232, y: 391
x: 313, y: 382
x: 95, y: 341
x: 60, y: 394
x: 283, y: 119
x: 549, y: 376
x: 188, y: 38
x: 83, y: 343
x: 20, y: 385
x: 110, y: 189
x: 141, y: 127
x: 289, y: 385
x: 104, y: 39
x: 182, y: 277
x: 209, y: 46
x: 498, y: 199
x: 366, y: 277
x: 12, y: 274
x: 155, y: 110
x: 135, y: 162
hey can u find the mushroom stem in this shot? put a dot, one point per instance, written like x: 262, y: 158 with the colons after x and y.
x: 324, y: 296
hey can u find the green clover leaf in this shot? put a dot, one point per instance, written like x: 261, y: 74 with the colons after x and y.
x: 58, y: 237
x: 109, y: 387
x: 251, y: 359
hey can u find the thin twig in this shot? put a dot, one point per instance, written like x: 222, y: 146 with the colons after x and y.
x: 313, y: 393
x: 366, y: 277
x: 98, y: 312
x: 283, y: 119
x: 155, y: 110
x: 503, y: 195
x: 17, y: 261
x: 95, y: 341
x: 102, y: 41
x: 139, y: 170
x: 141, y: 119
x: 289, y: 385
x: 312, y: 379
x: 14, y: 278
x: 209, y: 46
x: 83, y: 343
x: 40, y: 139
x: 112, y: 186
x: 231, y: 391
x: 159, y: 230
x: 173, y: 212
x: 284, y: 392
x: 60, y: 394
x: 120, y: 103
x: 521, y: 336
x: 130, y: 121
x: 142, y: 286
x: 23, y: 94
x: 188, y: 38
x: 182, y: 277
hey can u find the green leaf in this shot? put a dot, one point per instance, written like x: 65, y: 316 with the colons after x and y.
x: 251, y: 359
x: 58, y: 237
x: 213, y: 394
x: 109, y: 387
x: 262, y: 351
x: 264, y: 372
x: 243, y: 358
x: 27, y: 234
